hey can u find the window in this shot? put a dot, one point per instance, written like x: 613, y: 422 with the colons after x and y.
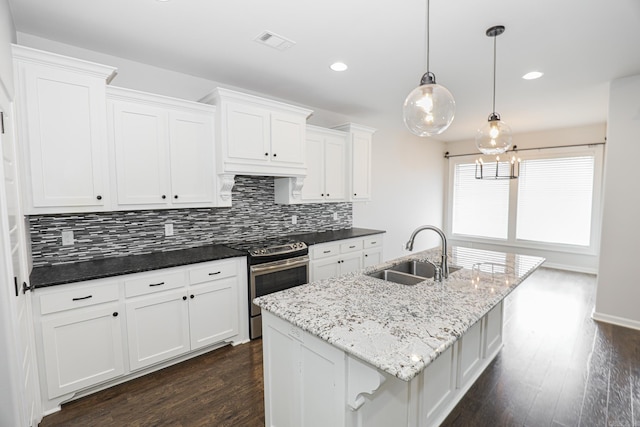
x: 480, y: 208
x: 555, y: 197
x: 551, y: 205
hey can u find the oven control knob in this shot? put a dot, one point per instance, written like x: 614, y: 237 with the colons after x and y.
x: 254, y: 252
x: 263, y: 251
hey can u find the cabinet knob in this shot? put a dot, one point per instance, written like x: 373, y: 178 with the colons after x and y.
x: 192, y: 296
x: 184, y: 298
x: 322, y: 194
x: 366, y: 255
x: 115, y: 314
x: 164, y: 196
x: 266, y: 154
x: 175, y: 197
x: 355, y: 194
x: 274, y: 154
x: 99, y: 197
x: 328, y: 194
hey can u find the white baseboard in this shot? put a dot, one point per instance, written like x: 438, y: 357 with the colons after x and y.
x: 615, y: 320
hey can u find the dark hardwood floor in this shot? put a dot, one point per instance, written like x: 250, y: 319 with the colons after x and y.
x: 557, y: 368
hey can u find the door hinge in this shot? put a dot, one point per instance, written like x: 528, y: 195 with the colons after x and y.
x: 26, y: 287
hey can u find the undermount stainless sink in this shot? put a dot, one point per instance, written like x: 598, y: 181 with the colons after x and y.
x: 397, y: 277
x: 409, y: 272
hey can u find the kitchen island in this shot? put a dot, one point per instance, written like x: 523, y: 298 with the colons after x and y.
x: 361, y: 351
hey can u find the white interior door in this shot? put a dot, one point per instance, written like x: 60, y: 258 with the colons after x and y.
x: 18, y: 372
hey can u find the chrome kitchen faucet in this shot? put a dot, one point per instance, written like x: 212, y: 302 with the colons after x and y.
x: 444, y: 265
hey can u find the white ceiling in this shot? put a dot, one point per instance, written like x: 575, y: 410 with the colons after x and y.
x: 580, y: 45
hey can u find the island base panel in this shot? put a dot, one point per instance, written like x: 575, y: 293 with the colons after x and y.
x: 309, y: 382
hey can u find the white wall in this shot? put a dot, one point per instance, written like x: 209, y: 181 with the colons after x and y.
x: 618, y: 293
x: 588, y: 134
x: 407, y: 190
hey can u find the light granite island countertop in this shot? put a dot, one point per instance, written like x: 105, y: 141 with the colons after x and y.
x: 398, y: 331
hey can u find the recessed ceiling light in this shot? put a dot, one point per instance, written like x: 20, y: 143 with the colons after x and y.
x: 339, y: 66
x: 533, y: 75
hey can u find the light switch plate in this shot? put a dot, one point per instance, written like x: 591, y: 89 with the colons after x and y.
x: 294, y: 219
x: 67, y: 238
x: 168, y: 230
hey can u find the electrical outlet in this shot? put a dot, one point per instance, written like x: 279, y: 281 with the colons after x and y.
x: 335, y: 216
x: 168, y: 229
x: 294, y: 219
x: 67, y: 238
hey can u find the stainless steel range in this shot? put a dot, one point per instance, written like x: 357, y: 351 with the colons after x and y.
x: 274, y: 265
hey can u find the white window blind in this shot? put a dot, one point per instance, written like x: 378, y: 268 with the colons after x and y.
x: 555, y: 197
x: 480, y: 207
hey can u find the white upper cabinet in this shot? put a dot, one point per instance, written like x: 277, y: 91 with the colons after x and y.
x: 326, y: 152
x: 162, y: 150
x: 359, y: 160
x: 62, y: 129
x: 257, y: 136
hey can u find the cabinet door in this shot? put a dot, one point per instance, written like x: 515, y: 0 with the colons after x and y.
x: 350, y: 263
x: 157, y: 328
x: 335, y: 156
x: 361, y: 167
x: 140, y: 145
x: 313, y: 188
x: 372, y: 257
x: 192, y: 161
x: 213, y: 314
x: 82, y: 348
x: 66, y: 137
x: 325, y: 268
x: 469, y: 354
x: 248, y: 133
x: 287, y: 139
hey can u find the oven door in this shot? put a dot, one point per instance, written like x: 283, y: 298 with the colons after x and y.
x: 276, y: 276
x: 272, y: 277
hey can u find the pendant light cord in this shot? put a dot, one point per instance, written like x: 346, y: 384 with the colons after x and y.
x: 427, y: 35
x: 494, y: 73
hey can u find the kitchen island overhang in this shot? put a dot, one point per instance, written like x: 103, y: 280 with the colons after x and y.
x: 423, y: 345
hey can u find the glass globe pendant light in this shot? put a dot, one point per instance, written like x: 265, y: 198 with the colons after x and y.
x: 495, y: 136
x: 429, y: 109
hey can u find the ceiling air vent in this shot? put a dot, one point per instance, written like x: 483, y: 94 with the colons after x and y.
x: 274, y: 40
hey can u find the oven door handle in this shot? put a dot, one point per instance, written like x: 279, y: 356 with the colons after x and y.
x: 278, y: 265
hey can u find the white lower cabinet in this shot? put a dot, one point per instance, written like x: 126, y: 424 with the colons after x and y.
x: 345, y: 256
x: 91, y: 335
x: 83, y: 347
x: 212, y: 313
x: 157, y: 328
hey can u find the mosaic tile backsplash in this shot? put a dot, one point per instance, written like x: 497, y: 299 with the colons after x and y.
x: 253, y: 216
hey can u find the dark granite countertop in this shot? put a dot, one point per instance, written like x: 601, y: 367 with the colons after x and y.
x: 331, y: 236
x: 108, y: 267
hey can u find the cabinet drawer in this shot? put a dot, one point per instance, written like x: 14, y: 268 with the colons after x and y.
x: 153, y: 283
x: 372, y: 242
x: 324, y: 251
x: 214, y: 271
x: 82, y: 296
x: 351, y: 246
